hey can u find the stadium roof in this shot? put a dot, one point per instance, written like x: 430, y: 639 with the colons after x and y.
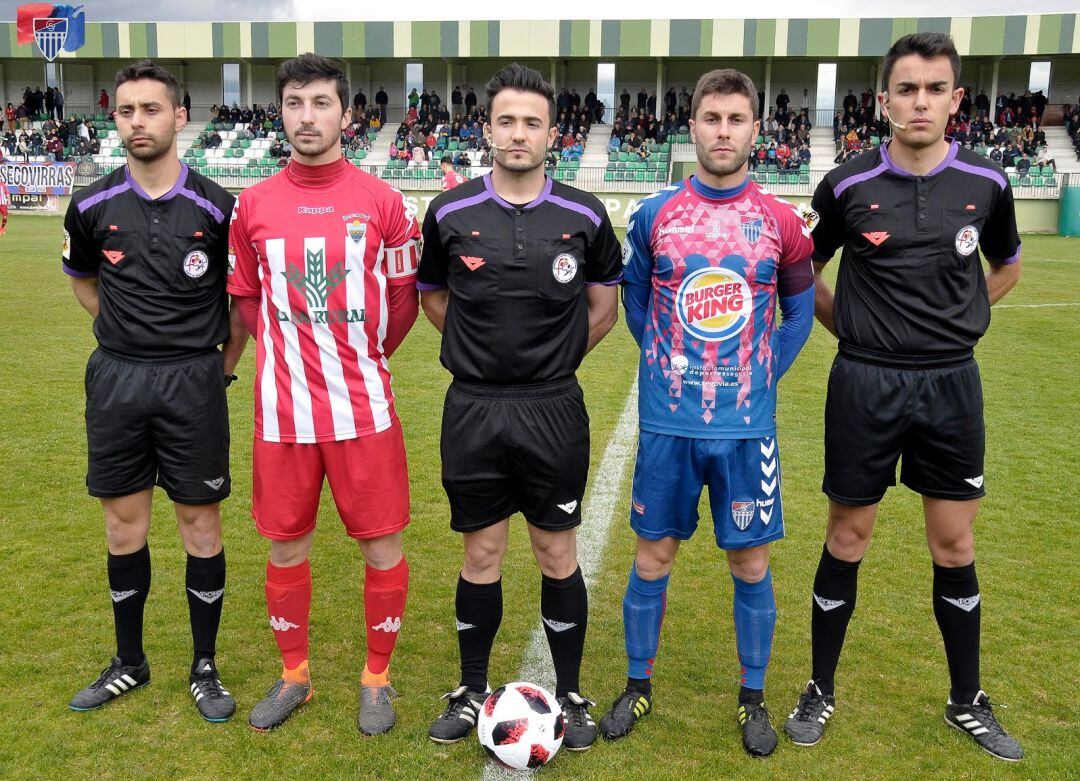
x: 1039, y: 34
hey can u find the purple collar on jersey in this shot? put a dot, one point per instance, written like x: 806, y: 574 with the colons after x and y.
x: 892, y: 166
x: 181, y: 180
x: 489, y: 194
x: 717, y: 193
x: 543, y: 196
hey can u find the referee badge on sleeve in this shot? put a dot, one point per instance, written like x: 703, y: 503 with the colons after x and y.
x: 627, y: 251
x: 967, y: 239
x: 66, y: 250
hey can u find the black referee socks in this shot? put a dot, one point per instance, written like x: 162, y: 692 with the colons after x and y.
x: 479, y: 608
x: 958, y: 612
x: 129, y: 583
x: 205, y: 585
x: 564, y: 608
x: 835, y: 588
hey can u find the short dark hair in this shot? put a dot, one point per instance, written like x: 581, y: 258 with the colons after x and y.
x: 309, y: 67
x: 148, y: 69
x: 927, y: 46
x: 724, y: 81
x: 446, y: 159
x: 518, y: 77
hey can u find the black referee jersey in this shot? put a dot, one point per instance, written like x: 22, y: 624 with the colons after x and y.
x: 161, y: 262
x: 517, y: 276
x: 911, y: 288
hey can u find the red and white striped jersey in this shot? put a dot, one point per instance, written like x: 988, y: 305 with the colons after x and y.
x: 320, y: 245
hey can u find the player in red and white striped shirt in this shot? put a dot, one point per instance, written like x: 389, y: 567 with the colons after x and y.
x: 322, y: 264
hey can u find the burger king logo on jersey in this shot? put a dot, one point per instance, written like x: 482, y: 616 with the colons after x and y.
x: 714, y: 303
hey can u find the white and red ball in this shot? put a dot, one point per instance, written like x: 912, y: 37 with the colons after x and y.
x: 520, y: 726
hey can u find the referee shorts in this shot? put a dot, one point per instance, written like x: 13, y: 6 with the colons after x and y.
x: 521, y: 449
x: 930, y: 419
x: 163, y: 423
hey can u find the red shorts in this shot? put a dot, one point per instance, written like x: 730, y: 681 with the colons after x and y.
x: 368, y: 478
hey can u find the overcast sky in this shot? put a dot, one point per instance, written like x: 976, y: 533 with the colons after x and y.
x: 319, y: 10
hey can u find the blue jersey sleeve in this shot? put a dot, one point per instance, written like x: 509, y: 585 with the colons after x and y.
x: 637, y: 252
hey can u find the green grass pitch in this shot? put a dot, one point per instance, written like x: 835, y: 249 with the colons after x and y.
x: 57, y: 629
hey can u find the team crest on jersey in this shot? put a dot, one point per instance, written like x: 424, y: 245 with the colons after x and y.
x: 66, y: 251
x: 627, y: 251
x: 357, y: 230
x: 196, y: 263
x: 967, y: 239
x: 751, y: 228
x: 714, y: 304
x: 564, y: 267
x: 679, y: 364
x: 809, y: 216
x: 742, y: 513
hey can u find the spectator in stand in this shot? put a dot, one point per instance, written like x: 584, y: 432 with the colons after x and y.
x: 381, y: 100
x: 850, y: 103
x: 186, y: 102
x: 470, y: 101
x: 9, y: 116
x: 782, y: 101
x: 213, y: 141
x: 783, y: 153
x: 1008, y: 156
x: 103, y: 102
x: 55, y: 147
x: 50, y: 103
x: 982, y: 105
x: 1045, y: 160
x: 670, y: 101
x: 1006, y: 118
x: 624, y: 102
x: 804, y: 154
x: 457, y: 103
x: 804, y: 101
x: 277, y: 149
x: 1023, y: 164
x: 435, y: 101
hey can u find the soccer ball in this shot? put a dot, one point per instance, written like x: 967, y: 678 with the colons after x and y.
x: 520, y: 726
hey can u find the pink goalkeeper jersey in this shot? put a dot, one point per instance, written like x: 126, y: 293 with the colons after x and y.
x: 320, y: 245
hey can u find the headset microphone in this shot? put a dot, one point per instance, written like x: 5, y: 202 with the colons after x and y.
x: 885, y: 109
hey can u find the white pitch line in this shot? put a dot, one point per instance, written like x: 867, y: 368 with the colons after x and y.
x: 1033, y: 306
x: 597, y: 513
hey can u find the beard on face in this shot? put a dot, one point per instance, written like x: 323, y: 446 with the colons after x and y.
x: 519, y: 166
x: 309, y: 146
x: 155, y: 150
x: 721, y: 169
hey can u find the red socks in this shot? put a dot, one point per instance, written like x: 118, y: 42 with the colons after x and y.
x: 288, y: 601
x: 384, y: 605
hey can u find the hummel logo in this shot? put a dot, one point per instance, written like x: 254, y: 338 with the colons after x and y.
x: 282, y: 624
x: 120, y: 596
x: 828, y: 604
x: 569, y: 507
x: 209, y: 597
x: 390, y: 625
x: 558, y: 626
x: 114, y: 256
x: 877, y: 238
x: 977, y: 482
x: 462, y: 626
x: 216, y: 483
x: 472, y: 263
x: 967, y: 604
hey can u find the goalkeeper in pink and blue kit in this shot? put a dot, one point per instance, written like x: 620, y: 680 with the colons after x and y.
x: 707, y: 261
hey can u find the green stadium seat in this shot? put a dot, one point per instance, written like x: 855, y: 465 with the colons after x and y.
x: 609, y: 175
x: 613, y: 157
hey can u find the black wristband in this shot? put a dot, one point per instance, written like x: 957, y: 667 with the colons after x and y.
x: 230, y: 379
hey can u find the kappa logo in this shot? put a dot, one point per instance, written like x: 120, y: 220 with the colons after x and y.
x: 877, y: 238
x: 462, y: 626
x: 472, y: 263
x: 569, y: 507
x: 828, y: 604
x: 216, y: 483
x: 114, y: 256
x: 976, y: 482
x: 390, y: 625
x: 558, y: 626
x: 967, y: 604
x: 120, y: 596
x: 282, y: 624
x: 209, y: 597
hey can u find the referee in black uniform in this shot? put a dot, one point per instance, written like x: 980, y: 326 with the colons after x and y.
x: 912, y: 300
x: 146, y: 249
x: 519, y: 274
